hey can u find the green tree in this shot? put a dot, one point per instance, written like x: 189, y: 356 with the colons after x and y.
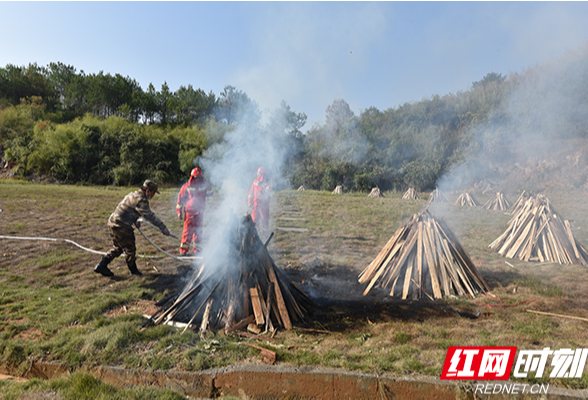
x: 235, y: 107
x: 149, y: 104
x: 192, y: 106
x: 165, y: 104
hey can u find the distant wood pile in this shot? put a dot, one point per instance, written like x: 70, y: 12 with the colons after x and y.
x: 375, y: 192
x: 437, y: 197
x: 498, y: 202
x: 538, y: 233
x: 411, y: 194
x: 301, y: 188
x: 467, y: 200
x: 338, y: 190
x: 423, y: 259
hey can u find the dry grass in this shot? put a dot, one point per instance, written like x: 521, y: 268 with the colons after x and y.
x: 91, y: 319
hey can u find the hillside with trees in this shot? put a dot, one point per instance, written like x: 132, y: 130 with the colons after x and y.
x: 105, y: 129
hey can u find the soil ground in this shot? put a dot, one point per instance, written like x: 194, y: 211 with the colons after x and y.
x: 344, y: 234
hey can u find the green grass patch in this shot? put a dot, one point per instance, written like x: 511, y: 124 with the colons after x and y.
x: 541, y: 287
x: 53, y: 307
x: 81, y: 386
x: 401, y: 337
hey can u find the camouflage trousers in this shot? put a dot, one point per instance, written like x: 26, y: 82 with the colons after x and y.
x: 123, y: 241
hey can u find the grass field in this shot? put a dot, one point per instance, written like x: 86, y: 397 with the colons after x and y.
x: 54, y: 308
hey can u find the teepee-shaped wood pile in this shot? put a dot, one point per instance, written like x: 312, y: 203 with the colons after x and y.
x: 466, y: 199
x: 375, y: 192
x: 538, y: 233
x: 411, y: 194
x: 338, y: 190
x: 520, y: 203
x: 301, y: 188
x: 237, y: 286
x: 423, y: 259
x: 437, y: 197
x: 498, y: 202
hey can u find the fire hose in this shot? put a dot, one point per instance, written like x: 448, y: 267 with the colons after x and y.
x: 57, y: 240
x: 141, y: 220
x: 103, y: 253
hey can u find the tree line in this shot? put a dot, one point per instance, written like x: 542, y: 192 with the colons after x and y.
x: 79, y: 127
x: 69, y: 94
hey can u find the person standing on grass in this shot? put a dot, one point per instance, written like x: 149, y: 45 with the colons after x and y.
x: 135, y: 205
x: 259, y: 198
x: 191, y: 205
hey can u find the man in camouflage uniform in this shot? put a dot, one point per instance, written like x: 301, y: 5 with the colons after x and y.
x: 120, y: 224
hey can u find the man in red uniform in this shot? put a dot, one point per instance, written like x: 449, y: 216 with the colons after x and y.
x: 191, y: 205
x: 259, y: 199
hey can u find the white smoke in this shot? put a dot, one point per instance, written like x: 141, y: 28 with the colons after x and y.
x: 545, y: 108
x: 231, y: 166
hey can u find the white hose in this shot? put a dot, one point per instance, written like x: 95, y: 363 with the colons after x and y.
x: 163, y: 251
x: 102, y: 253
x: 53, y: 240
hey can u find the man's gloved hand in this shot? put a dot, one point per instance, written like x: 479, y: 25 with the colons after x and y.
x: 138, y: 224
x: 180, y: 215
x: 166, y: 232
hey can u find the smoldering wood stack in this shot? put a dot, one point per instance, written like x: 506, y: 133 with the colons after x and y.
x: 375, y: 192
x: 498, y: 202
x: 467, y: 200
x: 437, y: 197
x: 237, y: 286
x: 520, y: 203
x: 423, y: 259
x: 411, y: 194
x: 338, y: 190
x: 301, y: 188
x: 538, y: 233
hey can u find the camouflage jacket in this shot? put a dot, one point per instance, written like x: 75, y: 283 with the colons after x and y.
x: 134, y: 206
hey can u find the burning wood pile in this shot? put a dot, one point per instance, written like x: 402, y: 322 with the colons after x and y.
x: 467, y: 200
x: 375, y: 192
x: 338, y: 190
x: 437, y: 197
x: 301, y: 188
x: 499, y: 202
x: 424, y: 259
x: 411, y: 194
x: 520, y: 203
x: 538, y: 233
x: 238, y: 287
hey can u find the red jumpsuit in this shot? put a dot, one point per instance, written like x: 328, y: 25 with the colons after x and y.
x: 259, y: 199
x: 192, y: 202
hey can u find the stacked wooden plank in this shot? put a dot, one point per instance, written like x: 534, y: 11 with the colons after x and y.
x: 538, y: 233
x: 423, y: 259
x: 498, y: 202
x: 375, y: 192
x: 338, y: 190
x: 437, y: 197
x: 411, y: 194
x: 520, y: 203
x: 467, y: 200
x: 301, y: 188
x: 238, y: 287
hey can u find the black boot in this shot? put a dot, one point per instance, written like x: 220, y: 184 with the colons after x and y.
x: 102, y: 268
x: 134, y: 270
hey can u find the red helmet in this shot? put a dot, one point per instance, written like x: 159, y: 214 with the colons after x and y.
x: 196, y: 172
x: 261, y: 171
